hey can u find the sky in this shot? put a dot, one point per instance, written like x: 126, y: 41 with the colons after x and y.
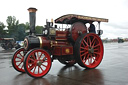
x: 114, y: 10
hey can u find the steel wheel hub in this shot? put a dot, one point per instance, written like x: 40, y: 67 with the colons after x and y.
x: 39, y: 63
x: 91, y: 50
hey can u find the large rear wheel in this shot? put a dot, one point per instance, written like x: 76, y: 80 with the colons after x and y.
x: 89, y: 50
x: 37, y: 63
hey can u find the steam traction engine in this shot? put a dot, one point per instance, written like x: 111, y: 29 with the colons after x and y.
x: 70, y: 45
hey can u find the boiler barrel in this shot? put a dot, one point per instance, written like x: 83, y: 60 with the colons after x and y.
x: 31, y: 42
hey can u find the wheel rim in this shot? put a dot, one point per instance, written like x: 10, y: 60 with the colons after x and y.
x: 91, y: 50
x: 38, y: 63
x: 18, y: 60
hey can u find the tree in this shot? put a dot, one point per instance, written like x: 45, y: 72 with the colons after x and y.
x: 39, y: 29
x: 12, y: 25
x: 2, y: 31
x: 27, y: 28
x: 21, y: 32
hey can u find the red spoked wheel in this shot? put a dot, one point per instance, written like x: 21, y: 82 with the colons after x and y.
x: 89, y: 50
x: 17, y: 60
x: 37, y: 63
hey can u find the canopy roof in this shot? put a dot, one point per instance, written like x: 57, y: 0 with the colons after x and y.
x: 72, y: 18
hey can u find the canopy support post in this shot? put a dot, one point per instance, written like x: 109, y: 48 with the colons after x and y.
x: 99, y: 30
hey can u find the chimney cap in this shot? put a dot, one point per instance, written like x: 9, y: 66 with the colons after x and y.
x: 31, y: 9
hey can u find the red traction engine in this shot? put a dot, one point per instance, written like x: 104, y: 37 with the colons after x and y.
x: 68, y: 45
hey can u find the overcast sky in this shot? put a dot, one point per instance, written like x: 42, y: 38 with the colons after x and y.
x: 114, y: 10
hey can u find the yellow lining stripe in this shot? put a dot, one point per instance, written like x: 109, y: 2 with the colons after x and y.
x: 40, y: 39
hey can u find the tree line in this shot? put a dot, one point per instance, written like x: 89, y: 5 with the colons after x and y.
x: 15, y: 29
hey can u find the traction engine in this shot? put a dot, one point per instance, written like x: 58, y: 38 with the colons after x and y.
x: 68, y: 45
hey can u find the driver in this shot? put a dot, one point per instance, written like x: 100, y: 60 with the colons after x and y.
x: 91, y: 29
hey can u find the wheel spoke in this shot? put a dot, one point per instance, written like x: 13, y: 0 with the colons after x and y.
x: 93, y: 41
x: 18, y: 57
x: 89, y: 41
x: 31, y: 62
x: 33, y: 56
x: 43, y: 65
x: 43, y: 59
x: 85, y: 42
x: 21, y: 55
x: 90, y: 61
x: 34, y: 69
x: 31, y: 67
x: 94, y: 59
x: 96, y: 49
x: 41, y: 68
x: 19, y: 64
x: 82, y: 51
x: 84, y: 59
x: 38, y: 70
x: 37, y: 55
x: 84, y: 54
x: 96, y: 45
x: 97, y: 53
x: 40, y: 55
x: 18, y: 61
x: 22, y: 66
x: 87, y: 58
x: 31, y: 59
x: 93, y: 44
x: 85, y: 48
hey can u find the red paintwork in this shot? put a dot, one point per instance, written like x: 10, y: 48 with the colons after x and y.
x: 56, y: 51
x: 17, y: 60
x: 60, y: 41
x: 61, y: 35
x: 59, y: 45
x: 61, y: 50
x: 39, y: 63
x: 76, y: 28
x: 91, y: 60
x: 45, y: 42
x: 70, y: 50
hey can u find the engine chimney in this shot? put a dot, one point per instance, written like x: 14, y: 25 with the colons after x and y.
x: 32, y: 20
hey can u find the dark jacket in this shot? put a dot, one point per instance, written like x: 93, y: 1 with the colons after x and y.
x: 92, y: 29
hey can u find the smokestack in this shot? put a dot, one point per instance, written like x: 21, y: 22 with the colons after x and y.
x: 32, y: 20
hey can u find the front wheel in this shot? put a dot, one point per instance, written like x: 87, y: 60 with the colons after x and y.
x: 89, y: 50
x: 37, y: 63
x: 17, y: 60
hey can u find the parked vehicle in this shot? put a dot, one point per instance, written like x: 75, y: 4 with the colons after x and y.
x: 120, y: 40
x: 69, y: 46
x: 9, y: 43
